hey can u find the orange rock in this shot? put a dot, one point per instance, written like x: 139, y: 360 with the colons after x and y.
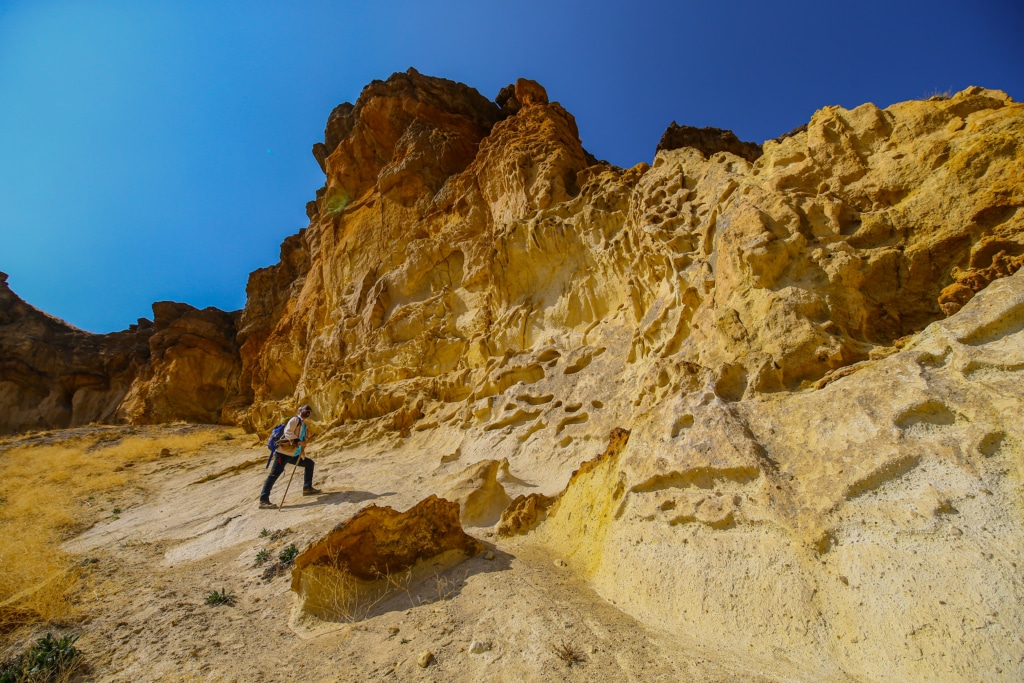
x: 378, y: 541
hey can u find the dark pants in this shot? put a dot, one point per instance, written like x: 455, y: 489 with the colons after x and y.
x: 280, y: 460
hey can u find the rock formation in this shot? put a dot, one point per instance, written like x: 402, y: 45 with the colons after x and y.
x: 810, y: 464
x: 54, y: 375
x: 708, y: 140
x: 183, y: 365
x: 360, y: 557
x: 866, y: 531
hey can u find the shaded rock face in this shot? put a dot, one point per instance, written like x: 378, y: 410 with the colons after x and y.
x: 708, y: 141
x: 193, y: 367
x: 53, y: 375
x: 183, y: 366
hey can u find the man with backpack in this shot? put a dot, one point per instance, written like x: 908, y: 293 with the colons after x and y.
x: 287, y: 451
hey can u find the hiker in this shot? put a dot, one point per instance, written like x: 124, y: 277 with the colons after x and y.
x: 293, y: 439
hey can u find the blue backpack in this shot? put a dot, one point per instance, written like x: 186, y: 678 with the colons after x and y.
x: 275, y: 436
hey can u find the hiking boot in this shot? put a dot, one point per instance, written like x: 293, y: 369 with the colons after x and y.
x: 266, y: 505
x: 311, y: 491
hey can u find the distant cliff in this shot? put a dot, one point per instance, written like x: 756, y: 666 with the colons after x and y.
x: 184, y: 365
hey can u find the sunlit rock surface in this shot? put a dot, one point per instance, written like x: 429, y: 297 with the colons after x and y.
x: 869, y: 530
x: 808, y: 361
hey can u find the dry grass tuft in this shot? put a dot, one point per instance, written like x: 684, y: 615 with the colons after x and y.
x: 568, y: 652
x: 51, y: 489
x: 331, y: 593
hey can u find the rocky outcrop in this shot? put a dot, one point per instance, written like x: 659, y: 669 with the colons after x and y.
x: 54, y: 375
x: 461, y: 247
x: 193, y: 367
x: 510, y: 286
x: 182, y: 366
x: 708, y: 141
x: 362, y: 556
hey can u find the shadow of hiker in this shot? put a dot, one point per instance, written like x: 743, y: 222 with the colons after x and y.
x: 338, y: 497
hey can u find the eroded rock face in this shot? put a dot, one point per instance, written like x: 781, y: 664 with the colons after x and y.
x: 821, y: 468
x: 193, y: 367
x: 445, y: 280
x: 818, y: 530
x: 53, y: 375
x: 479, y: 494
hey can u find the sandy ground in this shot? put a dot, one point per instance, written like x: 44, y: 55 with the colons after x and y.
x: 497, y: 619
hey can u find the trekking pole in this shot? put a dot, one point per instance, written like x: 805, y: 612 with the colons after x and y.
x: 281, y: 504
x: 298, y: 459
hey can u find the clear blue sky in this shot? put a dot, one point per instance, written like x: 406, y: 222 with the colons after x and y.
x: 156, y: 150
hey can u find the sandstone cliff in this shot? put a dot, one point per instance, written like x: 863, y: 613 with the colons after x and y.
x: 803, y: 446
x: 477, y: 285
x: 458, y: 249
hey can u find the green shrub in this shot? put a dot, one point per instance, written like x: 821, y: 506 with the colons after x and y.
x: 288, y: 555
x: 262, y: 556
x: 221, y: 598
x: 48, y: 659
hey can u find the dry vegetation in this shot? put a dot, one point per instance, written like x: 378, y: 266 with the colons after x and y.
x: 52, y: 488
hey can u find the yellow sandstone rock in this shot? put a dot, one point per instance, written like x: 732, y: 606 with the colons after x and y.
x: 809, y: 361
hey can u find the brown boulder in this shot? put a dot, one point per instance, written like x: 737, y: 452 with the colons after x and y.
x: 359, y: 562
x: 378, y: 541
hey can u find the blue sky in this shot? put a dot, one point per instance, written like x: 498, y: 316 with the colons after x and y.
x: 157, y: 150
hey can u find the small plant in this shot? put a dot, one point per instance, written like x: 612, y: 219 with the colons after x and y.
x: 48, y: 659
x: 273, y: 571
x: 226, y: 437
x: 265, y: 532
x: 288, y: 555
x: 221, y: 598
x: 262, y: 556
x: 116, y: 511
x: 568, y: 652
x: 444, y: 587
